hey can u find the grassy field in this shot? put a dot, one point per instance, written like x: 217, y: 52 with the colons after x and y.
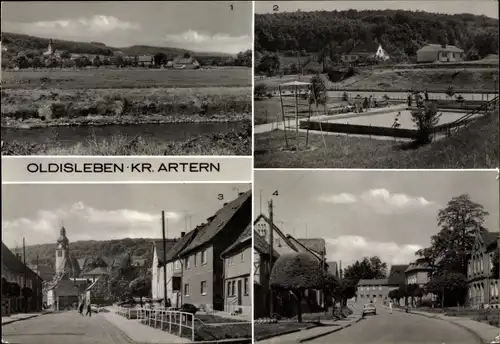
x: 262, y: 331
x: 234, y: 142
x: 29, y: 108
x: 477, y: 146
x: 126, y: 78
x: 466, y: 80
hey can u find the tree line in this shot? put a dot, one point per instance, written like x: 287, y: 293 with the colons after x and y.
x: 401, y: 33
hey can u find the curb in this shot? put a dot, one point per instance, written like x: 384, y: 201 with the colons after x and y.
x: 273, y: 335
x: 127, y: 337
x: 17, y: 320
x: 330, y: 332
x: 474, y: 333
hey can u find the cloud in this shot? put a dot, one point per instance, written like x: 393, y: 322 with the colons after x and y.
x: 85, y: 223
x: 81, y: 27
x: 205, y: 42
x: 350, y: 248
x: 343, y: 198
x: 381, y: 200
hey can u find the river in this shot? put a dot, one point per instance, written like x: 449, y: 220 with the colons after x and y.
x: 69, y: 136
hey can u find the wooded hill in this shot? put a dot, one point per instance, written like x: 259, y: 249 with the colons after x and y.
x: 401, y: 33
x: 141, y: 248
x: 20, y: 42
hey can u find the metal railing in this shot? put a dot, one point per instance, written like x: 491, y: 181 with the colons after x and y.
x: 464, y: 120
x: 166, y: 320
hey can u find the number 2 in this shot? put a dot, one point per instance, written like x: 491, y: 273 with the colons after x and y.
x: 276, y: 8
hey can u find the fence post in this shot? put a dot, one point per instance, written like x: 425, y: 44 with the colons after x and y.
x: 192, y: 328
x: 180, y: 324
x: 169, y: 322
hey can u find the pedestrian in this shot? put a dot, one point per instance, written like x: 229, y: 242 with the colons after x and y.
x: 409, y: 100
x: 390, y: 307
x: 89, y: 310
x: 80, y: 308
x: 426, y: 95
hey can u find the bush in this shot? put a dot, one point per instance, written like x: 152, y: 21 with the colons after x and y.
x: 189, y: 308
x: 260, y: 90
x: 296, y: 271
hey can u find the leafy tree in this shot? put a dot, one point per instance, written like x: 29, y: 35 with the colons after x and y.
x: 187, y: 55
x: 22, y: 61
x: 450, y: 91
x: 319, y: 89
x: 140, y: 287
x: 297, y: 272
x: 160, y: 59
x: 244, y: 58
x: 368, y: 268
x: 260, y: 90
x: 26, y: 292
x: 95, y: 262
x: 451, y: 288
x: 425, y: 118
x: 332, y: 289
x: 119, y: 61
x: 269, y: 64
x: 65, y: 54
x: 96, y: 62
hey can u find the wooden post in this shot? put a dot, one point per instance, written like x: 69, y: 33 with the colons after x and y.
x: 271, y: 257
x: 283, y: 116
x: 164, y: 258
x: 25, y: 299
x: 296, y: 118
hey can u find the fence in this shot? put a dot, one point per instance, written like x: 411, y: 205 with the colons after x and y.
x: 171, y: 321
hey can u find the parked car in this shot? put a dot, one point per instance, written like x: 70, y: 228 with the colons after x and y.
x: 369, y: 308
x: 496, y: 340
x: 95, y: 308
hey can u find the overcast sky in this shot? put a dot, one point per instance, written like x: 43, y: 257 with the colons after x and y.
x: 365, y: 213
x: 195, y: 25
x: 103, y: 212
x: 481, y: 7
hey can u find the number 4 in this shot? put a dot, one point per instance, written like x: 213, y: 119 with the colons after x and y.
x: 275, y: 193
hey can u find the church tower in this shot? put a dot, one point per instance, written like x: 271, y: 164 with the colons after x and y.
x: 49, y: 49
x: 62, y: 251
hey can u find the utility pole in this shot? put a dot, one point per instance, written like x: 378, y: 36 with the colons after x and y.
x: 164, y: 258
x: 25, y: 275
x: 271, y: 256
x: 37, y: 287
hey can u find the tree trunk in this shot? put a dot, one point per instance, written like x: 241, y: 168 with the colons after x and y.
x: 140, y: 300
x: 299, y: 306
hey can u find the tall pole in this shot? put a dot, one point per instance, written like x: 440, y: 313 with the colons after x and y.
x: 25, y: 275
x: 37, y: 287
x: 271, y: 256
x: 164, y: 258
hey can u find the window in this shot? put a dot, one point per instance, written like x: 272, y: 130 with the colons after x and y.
x: 229, y: 288
x: 203, y: 287
x: 233, y: 283
x: 186, y: 262
x: 243, y: 256
x: 196, y: 259
x: 59, y: 253
x: 186, y: 289
x: 177, y: 264
x: 245, y: 286
x: 380, y: 288
x: 203, y: 257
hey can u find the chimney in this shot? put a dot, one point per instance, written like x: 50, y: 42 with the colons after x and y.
x: 182, y: 234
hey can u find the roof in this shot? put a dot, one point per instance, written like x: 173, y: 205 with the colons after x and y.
x: 317, y: 245
x: 378, y: 281
x: 364, y: 49
x: 300, y: 247
x: 81, y: 262
x: 92, y: 285
x: 158, y: 245
x: 490, y: 239
x: 419, y: 265
x: 439, y: 47
x: 260, y: 245
x: 333, y: 268
x: 66, y: 287
x: 295, y: 83
x: 181, y: 244
x: 184, y: 60
x: 14, y: 264
x: 244, y: 240
x: 397, y: 274
x: 45, y: 272
x: 97, y: 271
x: 144, y: 58
x: 278, y: 231
x: 219, y: 221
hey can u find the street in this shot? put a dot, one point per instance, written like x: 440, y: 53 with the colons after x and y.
x: 399, y: 328
x: 63, y: 328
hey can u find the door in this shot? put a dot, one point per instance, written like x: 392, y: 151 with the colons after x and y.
x: 239, y: 292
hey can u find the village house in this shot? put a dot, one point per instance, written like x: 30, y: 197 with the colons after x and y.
x: 237, y: 270
x: 365, y: 51
x: 418, y: 273
x: 94, y: 274
x: 439, y: 53
x: 15, y: 271
x: 284, y: 244
x: 202, y: 266
x: 185, y: 63
x: 377, y: 290
x: 145, y: 61
x: 157, y: 269
x: 261, y: 274
x: 483, y: 289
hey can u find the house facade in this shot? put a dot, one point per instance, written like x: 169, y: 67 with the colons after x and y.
x: 365, y: 51
x: 439, y: 53
x: 373, y: 290
x: 237, y: 271
x: 483, y: 289
x: 185, y: 63
x: 261, y: 272
x: 418, y: 273
x: 202, y: 268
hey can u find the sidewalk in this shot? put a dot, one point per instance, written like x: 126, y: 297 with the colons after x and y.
x: 315, y: 332
x: 139, y: 333
x: 21, y: 316
x: 482, y: 331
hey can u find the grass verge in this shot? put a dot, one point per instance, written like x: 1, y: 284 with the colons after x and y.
x: 234, y: 142
x: 476, y: 146
x: 262, y: 331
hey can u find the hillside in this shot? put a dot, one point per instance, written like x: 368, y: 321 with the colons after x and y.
x: 19, y: 42
x: 401, y: 33
x: 142, y: 248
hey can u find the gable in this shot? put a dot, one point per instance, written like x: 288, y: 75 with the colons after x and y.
x: 282, y: 244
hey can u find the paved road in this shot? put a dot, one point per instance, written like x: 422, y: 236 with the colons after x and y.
x: 399, y: 328
x: 63, y: 328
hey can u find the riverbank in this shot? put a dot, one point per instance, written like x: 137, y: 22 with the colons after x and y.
x: 234, y: 142
x: 59, y: 107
